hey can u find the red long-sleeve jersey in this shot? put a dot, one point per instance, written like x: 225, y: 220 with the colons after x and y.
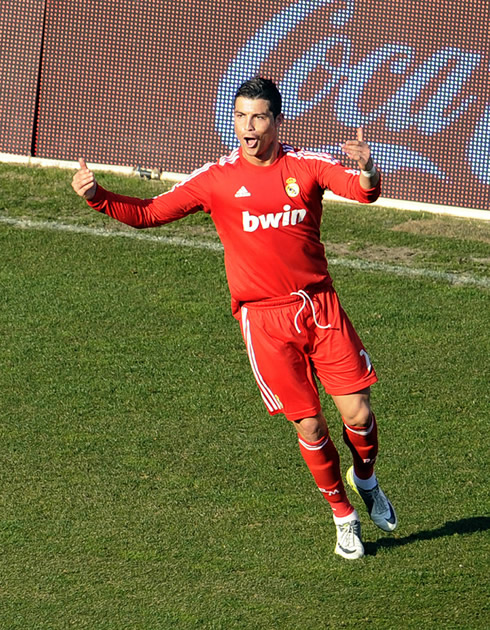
x: 267, y: 217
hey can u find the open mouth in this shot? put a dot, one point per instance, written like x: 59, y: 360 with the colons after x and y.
x: 251, y: 142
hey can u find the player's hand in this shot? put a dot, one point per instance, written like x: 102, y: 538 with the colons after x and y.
x: 84, y: 182
x: 359, y: 151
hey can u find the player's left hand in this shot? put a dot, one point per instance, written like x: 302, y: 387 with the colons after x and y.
x: 359, y: 151
x: 84, y: 182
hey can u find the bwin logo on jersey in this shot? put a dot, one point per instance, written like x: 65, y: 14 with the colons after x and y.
x: 274, y: 220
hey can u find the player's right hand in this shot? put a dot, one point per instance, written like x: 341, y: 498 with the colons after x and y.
x: 84, y: 182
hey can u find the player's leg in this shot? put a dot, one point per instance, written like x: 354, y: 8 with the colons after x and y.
x: 345, y: 370
x: 287, y: 384
x: 360, y: 433
x: 322, y: 459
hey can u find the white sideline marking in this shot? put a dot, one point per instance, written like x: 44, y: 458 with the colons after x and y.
x: 399, y: 270
x: 362, y: 265
x: 94, y: 231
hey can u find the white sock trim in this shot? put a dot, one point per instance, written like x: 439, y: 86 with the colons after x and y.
x: 340, y: 520
x: 366, y: 431
x: 313, y: 447
x: 365, y: 484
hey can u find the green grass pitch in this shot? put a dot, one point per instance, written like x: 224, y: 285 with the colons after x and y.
x: 143, y: 485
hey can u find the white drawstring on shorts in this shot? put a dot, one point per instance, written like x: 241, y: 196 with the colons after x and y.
x: 306, y: 298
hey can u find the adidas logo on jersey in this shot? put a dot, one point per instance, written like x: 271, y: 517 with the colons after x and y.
x: 274, y: 220
x: 243, y: 192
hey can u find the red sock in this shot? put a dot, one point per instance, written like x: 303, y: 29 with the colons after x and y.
x: 322, y: 459
x: 363, y: 444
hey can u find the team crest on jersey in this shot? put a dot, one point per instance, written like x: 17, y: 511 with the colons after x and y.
x: 292, y: 188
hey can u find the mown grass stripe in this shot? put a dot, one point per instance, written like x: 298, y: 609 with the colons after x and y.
x: 360, y: 264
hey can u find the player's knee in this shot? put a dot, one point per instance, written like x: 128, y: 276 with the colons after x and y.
x: 359, y: 416
x: 312, y: 429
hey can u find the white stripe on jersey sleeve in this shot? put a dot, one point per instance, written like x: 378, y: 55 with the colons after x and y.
x: 223, y: 161
x: 304, y: 154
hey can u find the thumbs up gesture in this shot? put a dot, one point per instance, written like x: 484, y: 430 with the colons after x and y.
x: 358, y: 151
x: 84, y: 182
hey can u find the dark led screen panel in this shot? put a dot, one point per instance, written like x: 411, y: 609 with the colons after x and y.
x: 152, y: 83
x: 21, y: 29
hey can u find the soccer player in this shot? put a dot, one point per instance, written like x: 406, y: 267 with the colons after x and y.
x: 265, y: 199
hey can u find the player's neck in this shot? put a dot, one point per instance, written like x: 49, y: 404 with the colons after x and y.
x: 266, y: 159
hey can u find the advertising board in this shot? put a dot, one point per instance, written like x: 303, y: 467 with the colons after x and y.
x: 151, y: 83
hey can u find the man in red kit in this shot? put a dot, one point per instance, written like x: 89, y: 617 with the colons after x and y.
x: 265, y: 199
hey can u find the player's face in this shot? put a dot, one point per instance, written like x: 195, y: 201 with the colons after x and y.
x: 257, y: 130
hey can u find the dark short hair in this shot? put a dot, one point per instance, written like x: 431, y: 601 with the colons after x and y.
x: 259, y: 87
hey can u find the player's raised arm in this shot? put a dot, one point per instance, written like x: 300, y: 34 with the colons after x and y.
x: 360, y: 152
x: 187, y: 197
x: 84, y: 182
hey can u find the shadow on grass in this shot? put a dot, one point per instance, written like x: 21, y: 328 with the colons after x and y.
x: 464, y: 526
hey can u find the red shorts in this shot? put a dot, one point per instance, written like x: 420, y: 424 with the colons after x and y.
x: 290, y: 340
